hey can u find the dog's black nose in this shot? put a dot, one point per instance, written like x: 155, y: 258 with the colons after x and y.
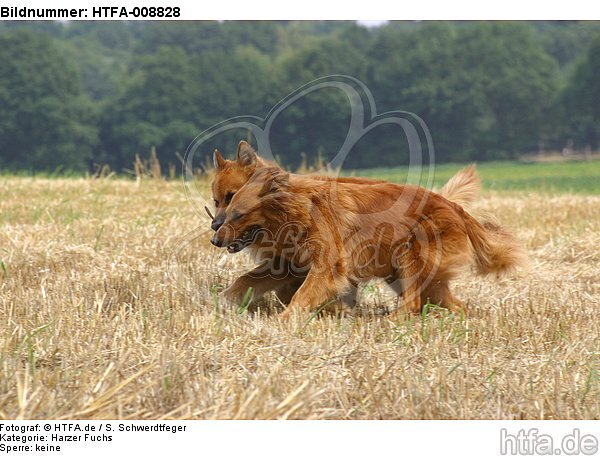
x: 216, y: 223
x: 216, y: 241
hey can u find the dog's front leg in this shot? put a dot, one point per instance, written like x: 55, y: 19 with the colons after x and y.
x: 237, y: 290
x: 264, y: 278
x: 259, y: 279
x: 316, y: 290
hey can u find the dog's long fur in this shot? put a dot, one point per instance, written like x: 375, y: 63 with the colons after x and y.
x: 346, y: 232
x: 231, y: 175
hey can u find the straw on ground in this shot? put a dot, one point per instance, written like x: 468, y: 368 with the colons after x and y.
x: 107, y: 310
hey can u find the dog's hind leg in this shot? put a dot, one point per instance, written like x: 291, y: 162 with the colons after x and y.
x: 408, y: 282
x: 439, y: 293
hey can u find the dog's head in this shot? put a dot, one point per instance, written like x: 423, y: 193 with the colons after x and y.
x: 230, y: 176
x: 252, y: 209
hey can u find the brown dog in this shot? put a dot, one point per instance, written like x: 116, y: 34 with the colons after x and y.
x: 339, y: 234
x: 275, y: 273
x: 231, y: 175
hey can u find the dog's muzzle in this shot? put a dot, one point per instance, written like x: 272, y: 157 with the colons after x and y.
x: 216, y: 241
x: 247, y: 237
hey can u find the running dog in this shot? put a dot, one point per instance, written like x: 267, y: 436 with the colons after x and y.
x: 339, y: 233
x: 275, y: 272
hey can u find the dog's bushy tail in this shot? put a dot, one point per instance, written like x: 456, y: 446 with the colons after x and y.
x: 462, y: 188
x: 495, y: 250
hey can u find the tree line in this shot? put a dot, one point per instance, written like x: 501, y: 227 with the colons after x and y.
x: 82, y: 93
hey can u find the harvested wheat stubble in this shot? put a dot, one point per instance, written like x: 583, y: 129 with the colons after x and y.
x: 105, y: 312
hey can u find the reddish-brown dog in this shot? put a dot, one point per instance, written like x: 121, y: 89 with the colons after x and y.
x: 275, y: 273
x: 336, y: 234
x: 272, y: 274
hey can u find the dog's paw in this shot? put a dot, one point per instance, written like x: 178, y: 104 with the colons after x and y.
x: 286, y: 315
x: 337, y: 309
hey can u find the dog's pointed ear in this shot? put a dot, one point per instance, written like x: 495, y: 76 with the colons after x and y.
x: 218, y: 160
x: 246, y: 155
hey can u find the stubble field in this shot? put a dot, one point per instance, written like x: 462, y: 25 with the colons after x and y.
x: 109, y: 309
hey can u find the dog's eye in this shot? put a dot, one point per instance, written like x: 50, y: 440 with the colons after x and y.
x: 236, y: 216
x: 228, y: 197
x: 216, y: 203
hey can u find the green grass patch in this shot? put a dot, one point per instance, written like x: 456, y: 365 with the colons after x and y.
x: 565, y: 177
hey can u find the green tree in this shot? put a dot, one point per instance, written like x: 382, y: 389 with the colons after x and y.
x: 582, y: 100
x: 519, y: 84
x: 45, y: 121
x: 485, y: 90
x: 565, y: 40
x: 154, y: 108
x: 422, y: 74
x: 318, y: 122
x: 170, y: 98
